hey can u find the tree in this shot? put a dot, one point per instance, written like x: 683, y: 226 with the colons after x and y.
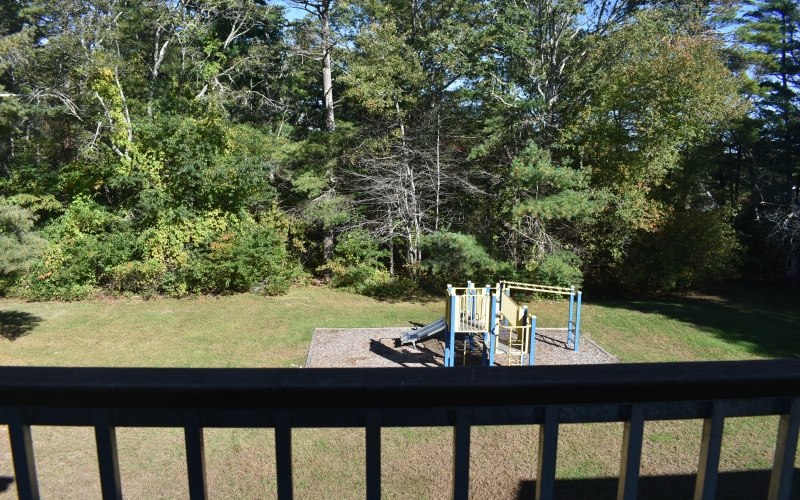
x: 772, y: 31
x: 406, y: 171
x: 321, y: 10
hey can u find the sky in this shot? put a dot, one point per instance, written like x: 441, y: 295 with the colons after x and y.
x: 292, y: 13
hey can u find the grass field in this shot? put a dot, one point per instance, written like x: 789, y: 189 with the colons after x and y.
x: 252, y: 331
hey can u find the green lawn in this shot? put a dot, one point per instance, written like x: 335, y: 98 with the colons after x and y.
x: 252, y: 331
x: 234, y: 331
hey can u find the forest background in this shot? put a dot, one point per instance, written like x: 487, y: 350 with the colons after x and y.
x: 182, y: 147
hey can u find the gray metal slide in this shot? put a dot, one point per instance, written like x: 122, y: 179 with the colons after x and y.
x: 423, y: 333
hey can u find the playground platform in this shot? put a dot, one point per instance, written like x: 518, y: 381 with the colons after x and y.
x: 380, y: 347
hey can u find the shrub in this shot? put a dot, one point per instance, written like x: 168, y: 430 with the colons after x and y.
x: 561, y: 268
x: 245, y: 256
x: 84, y: 242
x: 136, y: 276
x: 357, y: 265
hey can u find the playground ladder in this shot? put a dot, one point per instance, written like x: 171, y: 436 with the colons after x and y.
x: 517, y: 345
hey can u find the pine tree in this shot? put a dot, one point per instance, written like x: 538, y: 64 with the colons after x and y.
x: 772, y: 31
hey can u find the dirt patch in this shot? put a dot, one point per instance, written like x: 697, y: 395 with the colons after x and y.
x: 380, y: 347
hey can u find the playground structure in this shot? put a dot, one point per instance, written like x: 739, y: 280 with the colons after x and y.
x: 488, y: 312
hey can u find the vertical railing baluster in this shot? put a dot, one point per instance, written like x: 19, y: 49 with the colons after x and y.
x: 780, y: 483
x: 22, y: 452
x: 105, y: 436
x: 628, y: 488
x: 548, y: 448
x: 708, y: 467
x: 373, y: 432
x: 283, y: 456
x: 195, y: 455
x: 461, y: 441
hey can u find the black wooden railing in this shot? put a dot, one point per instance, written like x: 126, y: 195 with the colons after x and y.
x: 106, y: 398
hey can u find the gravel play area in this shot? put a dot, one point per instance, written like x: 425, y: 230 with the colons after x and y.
x: 380, y: 347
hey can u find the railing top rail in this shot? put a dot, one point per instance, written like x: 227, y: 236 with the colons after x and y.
x: 397, y: 387
x: 538, y: 288
x: 478, y: 291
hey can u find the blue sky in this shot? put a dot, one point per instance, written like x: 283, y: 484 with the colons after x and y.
x: 292, y: 13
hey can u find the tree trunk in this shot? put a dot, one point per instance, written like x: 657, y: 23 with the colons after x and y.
x: 327, y: 81
x: 438, y: 168
x: 327, y: 252
x: 391, y: 243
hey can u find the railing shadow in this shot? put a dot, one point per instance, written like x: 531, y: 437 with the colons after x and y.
x: 5, y: 483
x: 730, y: 486
x: 15, y: 324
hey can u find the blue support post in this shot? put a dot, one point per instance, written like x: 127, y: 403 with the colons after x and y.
x: 524, y: 324
x: 532, y: 340
x: 451, y: 331
x: 571, y: 309
x: 452, y: 360
x: 578, y: 323
x: 491, y: 326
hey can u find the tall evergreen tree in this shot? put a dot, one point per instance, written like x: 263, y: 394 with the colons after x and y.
x: 772, y: 32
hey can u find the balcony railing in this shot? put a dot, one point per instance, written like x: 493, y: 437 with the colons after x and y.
x: 547, y: 396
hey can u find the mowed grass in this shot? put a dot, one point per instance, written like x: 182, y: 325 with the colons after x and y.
x: 233, y: 331
x: 251, y: 331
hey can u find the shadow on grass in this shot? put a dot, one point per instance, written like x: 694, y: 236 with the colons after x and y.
x: 762, y: 321
x: 415, y: 296
x: 5, y: 483
x: 15, y: 324
x: 730, y: 486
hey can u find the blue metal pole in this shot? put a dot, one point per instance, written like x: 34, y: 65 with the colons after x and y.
x: 491, y: 326
x: 532, y: 348
x: 450, y: 340
x: 487, y: 335
x: 571, y: 307
x: 578, y: 322
x: 524, y: 324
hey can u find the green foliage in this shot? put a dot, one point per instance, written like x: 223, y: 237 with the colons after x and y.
x: 218, y: 253
x: 560, y: 191
x: 20, y: 246
x: 83, y: 243
x: 136, y: 277
x: 357, y: 264
x: 561, y: 268
x: 692, y: 248
x: 456, y: 258
x: 248, y: 257
x: 182, y: 148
